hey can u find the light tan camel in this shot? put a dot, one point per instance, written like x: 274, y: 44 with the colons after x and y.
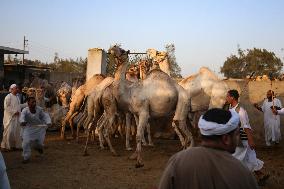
x: 156, y: 96
x: 64, y: 94
x: 77, y: 101
x: 102, y: 100
x: 160, y: 59
x: 205, y: 89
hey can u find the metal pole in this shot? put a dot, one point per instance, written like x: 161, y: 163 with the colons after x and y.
x: 24, y: 49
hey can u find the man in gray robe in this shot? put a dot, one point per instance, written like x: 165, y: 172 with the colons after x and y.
x: 210, y: 166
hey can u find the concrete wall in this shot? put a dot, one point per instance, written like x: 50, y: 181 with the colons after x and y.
x: 96, y: 62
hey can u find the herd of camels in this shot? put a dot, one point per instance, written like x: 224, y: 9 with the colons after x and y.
x: 103, y: 104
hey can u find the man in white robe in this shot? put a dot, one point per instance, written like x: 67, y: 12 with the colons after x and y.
x: 12, y: 130
x: 34, y: 122
x: 271, y: 122
x: 245, y: 151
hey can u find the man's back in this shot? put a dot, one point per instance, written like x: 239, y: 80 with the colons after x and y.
x: 206, y: 168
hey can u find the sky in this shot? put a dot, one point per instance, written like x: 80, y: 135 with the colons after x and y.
x: 204, y: 32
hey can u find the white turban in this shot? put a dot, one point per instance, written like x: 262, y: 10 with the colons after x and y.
x: 208, y: 128
x: 12, y: 87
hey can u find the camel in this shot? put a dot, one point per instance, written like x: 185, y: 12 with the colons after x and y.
x: 156, y: 96
x: 64, y: 94
x: 206, y: 91
x: 207, y: 87
x: 160, y: 60
x: 101, y: 101
x: 77, y: 101
x: 144, y: 68
x: 38, y: 94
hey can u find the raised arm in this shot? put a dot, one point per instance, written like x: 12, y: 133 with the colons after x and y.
x: 257, y: 107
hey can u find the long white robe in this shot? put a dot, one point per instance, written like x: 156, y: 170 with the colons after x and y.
x: 34, y: 132
x: 271, y: 122
x: 12, y: 129
x: 245, y: 154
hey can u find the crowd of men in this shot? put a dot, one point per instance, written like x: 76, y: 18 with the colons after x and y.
x: 24, y: 128
x: 226, y: 157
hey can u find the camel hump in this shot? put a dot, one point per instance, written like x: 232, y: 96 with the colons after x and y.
x: 209, y: 73
x: 99, y: 75
x: 157, y: 72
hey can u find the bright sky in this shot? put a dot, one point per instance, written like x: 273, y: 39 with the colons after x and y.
x: 204, y: 32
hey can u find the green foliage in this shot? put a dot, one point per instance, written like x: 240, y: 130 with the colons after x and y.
x: 78, y: 65
x: 174, y: 67
x: 260, y: 61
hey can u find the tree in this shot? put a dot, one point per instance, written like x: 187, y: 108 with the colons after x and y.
x: 174, y: 67
x: 260, y: 61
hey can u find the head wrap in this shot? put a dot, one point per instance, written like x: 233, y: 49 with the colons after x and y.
x: 208, y: 128
x: 11, y: 87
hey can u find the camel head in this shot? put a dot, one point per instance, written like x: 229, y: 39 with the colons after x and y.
x: 25, y: 90
x: 64, y: 94
x: 31, y: 92
x: 152, y: 53
x: 40, y: 93
x: 119, y: 54
x: 160, y: 60
x: 144, y: 68
x: 157, y: 56
x: 133, y: 72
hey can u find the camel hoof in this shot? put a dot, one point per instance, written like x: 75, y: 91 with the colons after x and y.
x: 133, y: 156
x: 151, y: 145
x: 144, y: 144
x: 86, y: 154
x: 129, y: 149
x: 139, y: 165
x: 102, y: 148
x: 115, y: 154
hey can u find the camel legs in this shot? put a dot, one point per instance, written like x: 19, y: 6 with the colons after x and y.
x: 79, y: 125
x: 68, y: 116
x: 143, y: 120
x: 100, y: 127
x: 128, y: 125
x: 149, y: 135
x: 71, y: 123
x: 86, y: 145
x: 175, y: 125
x: 107, y: 126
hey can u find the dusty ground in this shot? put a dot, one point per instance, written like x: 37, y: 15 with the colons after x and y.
x: 63, y: 166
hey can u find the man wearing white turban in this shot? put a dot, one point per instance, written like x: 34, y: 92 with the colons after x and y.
x: 210, y: 166
x: 12, y: 130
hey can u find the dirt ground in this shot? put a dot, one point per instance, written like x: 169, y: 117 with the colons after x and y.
x: 63, y: 166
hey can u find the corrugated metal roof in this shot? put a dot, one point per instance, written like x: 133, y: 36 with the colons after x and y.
x: 9, y: 50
